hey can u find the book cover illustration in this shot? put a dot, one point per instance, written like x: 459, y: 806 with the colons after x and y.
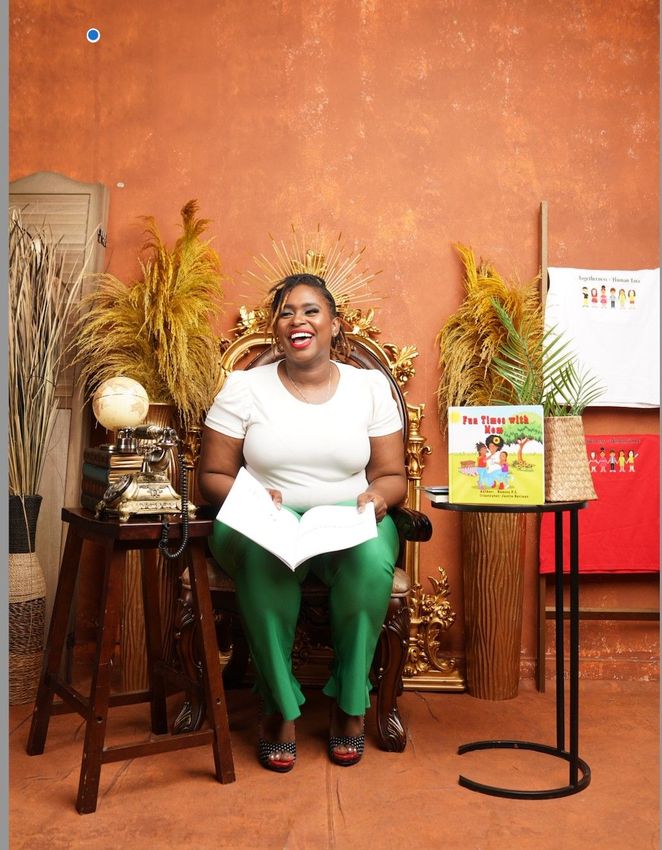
x: 496, y: 455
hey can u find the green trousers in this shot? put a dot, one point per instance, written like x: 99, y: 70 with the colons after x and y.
x: 359, y: 579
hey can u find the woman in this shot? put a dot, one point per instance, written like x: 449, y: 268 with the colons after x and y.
x: 312, y: 431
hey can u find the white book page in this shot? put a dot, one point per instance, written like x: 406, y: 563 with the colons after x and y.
x: 250, y: 510
x: 329, y: 528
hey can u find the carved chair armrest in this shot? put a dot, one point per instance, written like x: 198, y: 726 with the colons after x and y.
x: 412, y: 525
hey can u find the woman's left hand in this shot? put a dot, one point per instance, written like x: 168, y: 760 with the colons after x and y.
x: 378, y: 501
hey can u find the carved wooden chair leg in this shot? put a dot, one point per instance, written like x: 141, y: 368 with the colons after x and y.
x: 235, y: 670
x: 192, y: 712
x: 390, y: 657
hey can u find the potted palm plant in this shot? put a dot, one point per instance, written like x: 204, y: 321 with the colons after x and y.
x: 539, y: 367
x: 42, y: 301
x: 492, y: 544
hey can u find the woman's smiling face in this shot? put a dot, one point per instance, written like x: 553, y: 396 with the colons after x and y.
x: 305, y: 325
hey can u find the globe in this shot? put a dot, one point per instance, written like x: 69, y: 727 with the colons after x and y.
x: 120, y: 402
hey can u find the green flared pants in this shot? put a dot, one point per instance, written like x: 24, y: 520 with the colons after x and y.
x: 360, y: 581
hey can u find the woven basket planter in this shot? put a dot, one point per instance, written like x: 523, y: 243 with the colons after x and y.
x: 27, y: 600
x: 567, y: 476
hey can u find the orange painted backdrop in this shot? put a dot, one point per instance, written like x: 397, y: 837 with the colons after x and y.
x: 405, y: 126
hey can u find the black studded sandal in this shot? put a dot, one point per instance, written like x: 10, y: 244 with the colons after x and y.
x: 357, y: 744
x: 267, y: 749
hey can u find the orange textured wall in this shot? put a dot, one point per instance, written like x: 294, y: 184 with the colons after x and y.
x: 405, y: 126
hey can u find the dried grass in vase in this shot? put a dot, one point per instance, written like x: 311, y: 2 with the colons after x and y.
x: 471, y: 337
x: 158, y: 330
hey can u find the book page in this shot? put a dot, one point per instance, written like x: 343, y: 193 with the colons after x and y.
x: 250, y: 510
x: 329, y: 528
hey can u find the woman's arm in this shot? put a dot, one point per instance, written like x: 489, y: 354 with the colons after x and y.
x: 220, y: 460
x: 387, y: 478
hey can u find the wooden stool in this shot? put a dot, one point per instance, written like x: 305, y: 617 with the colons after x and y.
x: 118, y: 538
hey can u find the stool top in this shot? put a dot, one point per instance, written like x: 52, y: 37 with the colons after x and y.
x: 138, y: 528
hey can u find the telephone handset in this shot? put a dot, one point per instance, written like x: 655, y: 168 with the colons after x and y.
x: 150, y: 491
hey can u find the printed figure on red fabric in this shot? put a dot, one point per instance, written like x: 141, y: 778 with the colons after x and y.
x: 621, y: 461
x: 612, y: 461
x: 603, y: 463
x: 593, y: 462
x: 630, y: 460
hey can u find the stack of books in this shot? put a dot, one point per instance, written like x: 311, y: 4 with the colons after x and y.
x: 102, y: 467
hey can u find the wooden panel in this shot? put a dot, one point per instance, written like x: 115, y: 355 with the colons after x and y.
x: 74, y: 212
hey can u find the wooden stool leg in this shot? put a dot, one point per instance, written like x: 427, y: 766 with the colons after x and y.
x: 216, y: 706
x: 57, y: 634
x: 154, y: 641
x: 97, y: 714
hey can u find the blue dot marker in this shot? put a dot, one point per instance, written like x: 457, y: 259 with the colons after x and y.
x: 93, y: 35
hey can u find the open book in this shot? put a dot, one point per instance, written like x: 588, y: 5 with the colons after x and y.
x: 250, y: 510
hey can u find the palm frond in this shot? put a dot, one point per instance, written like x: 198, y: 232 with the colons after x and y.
x: 540, y: 367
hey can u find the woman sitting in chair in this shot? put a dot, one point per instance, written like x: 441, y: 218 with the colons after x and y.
x: 312, y: 431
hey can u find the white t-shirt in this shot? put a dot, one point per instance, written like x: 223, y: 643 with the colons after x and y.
x: 315, y: 454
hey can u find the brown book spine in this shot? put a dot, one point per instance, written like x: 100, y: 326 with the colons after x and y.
x: 89, y: 502
x: 93, y: 488
x: 111, y: 460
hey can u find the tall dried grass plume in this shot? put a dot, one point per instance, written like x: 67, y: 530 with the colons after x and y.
x: 159, y: 330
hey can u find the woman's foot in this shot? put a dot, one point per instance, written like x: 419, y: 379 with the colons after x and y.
x: 277, y: 749
x: 347, y: 737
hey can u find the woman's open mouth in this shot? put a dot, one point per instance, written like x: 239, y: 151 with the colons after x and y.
x: 300, y: 339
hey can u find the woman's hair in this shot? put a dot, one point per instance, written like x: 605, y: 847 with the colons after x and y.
x: 339, y: 344
x: 494, y: 440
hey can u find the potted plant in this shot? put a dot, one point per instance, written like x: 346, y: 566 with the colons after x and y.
x: 539, y: 367
x: 492, y: 543
x: 42, y: 301
x: 159, y: 330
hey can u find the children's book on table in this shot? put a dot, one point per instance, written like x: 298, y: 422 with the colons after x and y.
x: 496, y: 455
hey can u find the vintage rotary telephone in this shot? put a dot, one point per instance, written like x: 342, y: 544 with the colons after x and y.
x: 149, y: 491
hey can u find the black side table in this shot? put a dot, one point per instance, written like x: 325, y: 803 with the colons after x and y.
x: 579, y: 772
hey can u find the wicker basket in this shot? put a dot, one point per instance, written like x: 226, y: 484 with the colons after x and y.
x: 567, y: 476
x: 27, y: 600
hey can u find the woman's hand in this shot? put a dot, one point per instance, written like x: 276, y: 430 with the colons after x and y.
x: 276, y: 497
x: 378, y: 501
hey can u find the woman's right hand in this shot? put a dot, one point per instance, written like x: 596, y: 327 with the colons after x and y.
x: 276, y: 497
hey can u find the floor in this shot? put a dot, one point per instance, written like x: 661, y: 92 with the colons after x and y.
x: 409, y: 799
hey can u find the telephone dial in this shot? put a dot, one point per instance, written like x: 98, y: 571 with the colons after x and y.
x: 149, y: 491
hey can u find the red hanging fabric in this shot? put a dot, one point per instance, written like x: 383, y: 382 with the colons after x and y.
x: 620, y: 532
